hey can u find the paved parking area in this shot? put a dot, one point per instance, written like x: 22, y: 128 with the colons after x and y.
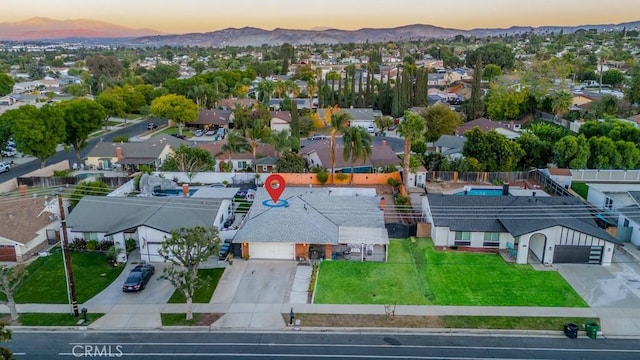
x: 613, y: 292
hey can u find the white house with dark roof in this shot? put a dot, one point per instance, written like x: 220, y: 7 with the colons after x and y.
x: 153, y: 152
x: 148, y: 220
x: 553, y: 229
x: 315, y: 223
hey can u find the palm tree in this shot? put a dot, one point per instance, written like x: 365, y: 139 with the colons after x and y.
x: 312, y: 89
x: 256, y: 134
x: 357, y: 145
x: 280, y: 88
x: 235, y: 143
x: 561, y: 103
x: 411, y: 129
x: 265, y: 90
x: 281, y: 141
x: 339, y: 120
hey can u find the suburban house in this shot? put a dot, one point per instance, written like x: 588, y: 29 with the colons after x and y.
x: 26, y: 229
x: 240, y: 160
x: 363, y: 117
x: 152, y: 153
x: 315, y: 223
x: 508, y: 129
x: 317, y: 154
x: 280, y: 120
x: 629, y: 220
x: 611, y: 197
x: 148, y: 220
x: 450, y: 146
x: 213, y: 119
x: 552, y: 229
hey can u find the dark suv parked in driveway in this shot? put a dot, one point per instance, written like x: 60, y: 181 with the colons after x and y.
x: 138, y: 278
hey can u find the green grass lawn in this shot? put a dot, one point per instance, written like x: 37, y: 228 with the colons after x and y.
x: 46, y: 280
x: 581, y: 189
x: 417, y: 274
x: 35, y: 319
x: 203, y: 294
x: 178, y: 320
x: 174, y: 130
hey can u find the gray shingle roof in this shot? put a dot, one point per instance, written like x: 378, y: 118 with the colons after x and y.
x: 314, y: 216
x: 111, y: 215
x: 517, y: 215
x: 450, y: 141
x: 149, y: 149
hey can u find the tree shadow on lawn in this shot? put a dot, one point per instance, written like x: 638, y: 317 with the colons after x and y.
x: 417, y: 274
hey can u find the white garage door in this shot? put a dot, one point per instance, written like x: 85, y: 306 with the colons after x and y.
x: 272, y: 251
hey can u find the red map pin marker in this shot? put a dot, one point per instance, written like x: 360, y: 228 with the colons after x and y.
x: 275, y: 186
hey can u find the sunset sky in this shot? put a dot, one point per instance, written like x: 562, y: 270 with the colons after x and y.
x: 181, y: 16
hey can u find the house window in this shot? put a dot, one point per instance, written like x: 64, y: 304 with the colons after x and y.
x: 463, y: 238
x: 491, y: 239
x: 90, y: 236
x: 608, y: 203
x: 242, y: 164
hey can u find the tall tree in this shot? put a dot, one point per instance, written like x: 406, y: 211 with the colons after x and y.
x: 38, y: 132
x: 357, y: 145
x: 290, y: 162
x: 234, y: 143
x: 632, y: 91
x: 175, y: 107
x: 475, y: 108
x: 6, y: 84
x: 493, y: 150
x: 257, y: 134
x: 339, y: 120
x: 185, y: 250
x: 411, y: 128
x: 189, y: 160
x: 440, y: 120
x: 81, y: 118
x: 10, y: 279
x: 572, y: 152
x: 265, y: 90
x: 112, y: 104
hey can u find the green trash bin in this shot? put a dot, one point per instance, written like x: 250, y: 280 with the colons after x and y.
x: 592, y: 329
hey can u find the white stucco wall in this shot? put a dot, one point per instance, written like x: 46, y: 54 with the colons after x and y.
x: 597, y: 198
x: 635, y: 229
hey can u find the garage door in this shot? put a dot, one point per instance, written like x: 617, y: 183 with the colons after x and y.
x: 577, y: 254
x: 7, y: 253
x: 272, y: 251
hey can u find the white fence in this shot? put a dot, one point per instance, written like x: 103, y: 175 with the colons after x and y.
x: 212, y: 177
x: 594, y: 175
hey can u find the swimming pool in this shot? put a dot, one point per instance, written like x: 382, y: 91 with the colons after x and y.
x: 481, y: 192
x: 172, y: 192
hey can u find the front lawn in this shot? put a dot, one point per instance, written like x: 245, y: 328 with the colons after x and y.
x: 174, y: 130
x: 417, y: 274
x: 203, y: 294
x: 46, y: 280
x: 39, y: 319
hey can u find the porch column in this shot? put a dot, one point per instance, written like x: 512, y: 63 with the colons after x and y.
x: 523, y: 250
x: 245, y: 250
x: 328, y: 252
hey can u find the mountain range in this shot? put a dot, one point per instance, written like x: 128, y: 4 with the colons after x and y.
x: 89, y: 30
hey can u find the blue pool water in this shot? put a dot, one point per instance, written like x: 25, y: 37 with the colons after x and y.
x: 172, y: 192
x: 482, y: 192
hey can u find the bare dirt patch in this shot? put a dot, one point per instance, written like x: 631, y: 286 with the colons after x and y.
x: 207, y: 319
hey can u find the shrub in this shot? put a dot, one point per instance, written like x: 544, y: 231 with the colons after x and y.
x: 112, y: 254
x: 403, y: 203
x: 104, y: 245
x: 62, y: 173
x: 121, y: 139
x: 78, y: 245
x: 393, y: 182
x: 342, y: 176
x: 92, y: 245
x: 314, y: 277
x: 322, y: 176
x: 131, y: 244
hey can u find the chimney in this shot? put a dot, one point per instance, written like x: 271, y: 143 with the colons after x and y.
x: 119, y: 153
x: 185, y: 190
x: 383, y: 203
x: 505, y: 189
x: 384, y: 142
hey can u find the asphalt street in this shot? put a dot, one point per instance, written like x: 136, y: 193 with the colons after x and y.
x: 130, y: 131
x: 304, y: 345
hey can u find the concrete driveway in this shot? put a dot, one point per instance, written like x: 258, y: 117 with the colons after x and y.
x: 613, y: 292
x: 265, y: 282
x: 157, y: 291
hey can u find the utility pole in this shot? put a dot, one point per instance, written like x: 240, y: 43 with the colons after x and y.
x: 67, y: 258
